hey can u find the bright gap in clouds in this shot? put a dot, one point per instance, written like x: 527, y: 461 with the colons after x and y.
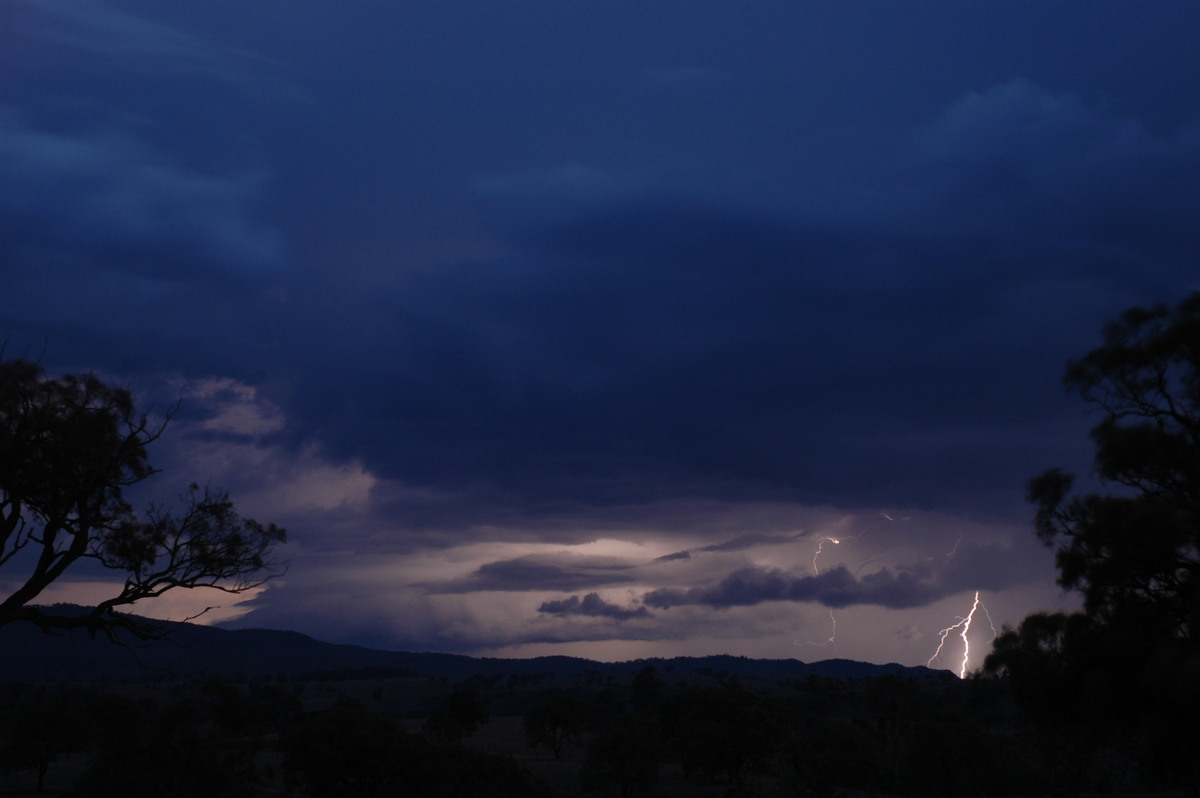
x: 685, y: 576
x: 520, y: 598
x: 203, y: 606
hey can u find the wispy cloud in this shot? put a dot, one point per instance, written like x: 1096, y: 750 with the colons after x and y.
x: 755, y: 540
x: 106, y: 196
x: 541, y: 572
x: 102, y: 28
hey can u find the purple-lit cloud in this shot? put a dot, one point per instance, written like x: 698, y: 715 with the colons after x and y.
x: 536, y: 572
x: 593, y: 606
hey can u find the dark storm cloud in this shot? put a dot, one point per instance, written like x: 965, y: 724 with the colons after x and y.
x: 986, y: 567
x: 899, y: 351
x: 120, y: 257
x: 1046, y: 170
x: 112, y: 36
x: 135, y: 234
x: 103, y: 199
x: 593, y: 606
x: 835, y: 588
x: 540, y: 572
x: 104, y: 28
x: 892, y: 337
x: 701, y: 346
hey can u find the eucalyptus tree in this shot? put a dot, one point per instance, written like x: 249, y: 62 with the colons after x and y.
x: 70, y: 447
x: 1129, y: 663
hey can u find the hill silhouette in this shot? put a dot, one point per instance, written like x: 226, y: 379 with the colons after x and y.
x: 189, y: 650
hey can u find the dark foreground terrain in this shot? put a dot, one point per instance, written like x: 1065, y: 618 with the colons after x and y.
x: 270, y: 714
x: 648, y: 733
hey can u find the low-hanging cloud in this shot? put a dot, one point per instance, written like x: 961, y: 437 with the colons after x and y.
x: 902, y: 586
x: 834, y: 588
x: 592, y: 605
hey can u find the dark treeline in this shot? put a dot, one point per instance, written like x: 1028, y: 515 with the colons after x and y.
x: 807, y: 736
x: 652, y: 734
x: 215, y: 738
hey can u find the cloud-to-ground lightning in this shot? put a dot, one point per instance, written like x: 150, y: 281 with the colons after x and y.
x: 830, y: 641
x: 832, y: 629
x: 817, y: 554
x: 817, y: 572
x: 963, y: 626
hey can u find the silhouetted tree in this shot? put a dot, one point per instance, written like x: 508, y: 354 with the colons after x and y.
x: 647, y: 689
x: 895, y: 702
x: 463, y: 773
x: 951, y: 752
x: 625, y: 752
x: 348, y: 751
x: 70, y: 447
x: 276, y: 706
x: 463, y: 712
x: 827, y: 755
x: 555, y: 720
x: 37, y: 726
x: 1133, y: 657
x: 177, y: 751
x: 1037, y: 653
x: 722, y: 732
x: 1135, y: 553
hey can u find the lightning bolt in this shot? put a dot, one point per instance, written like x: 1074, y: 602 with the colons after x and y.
x: 817, y: 554
x: 963, y: 626
x: 832, y: 629
x: 816, y: 572
x: 816, y: 567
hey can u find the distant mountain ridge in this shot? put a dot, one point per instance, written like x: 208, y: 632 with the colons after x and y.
x: 29, y: 655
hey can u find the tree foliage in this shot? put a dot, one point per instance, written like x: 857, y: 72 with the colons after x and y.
x: 1131, y: 549
x: 558, y: 718
x: 460, y: 716
x: 348, y: 750
x: 1134, y: 552
x: 70, y: 448
x: 36, y: 728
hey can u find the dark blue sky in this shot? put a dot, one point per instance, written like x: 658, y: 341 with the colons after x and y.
x: 502, y: 308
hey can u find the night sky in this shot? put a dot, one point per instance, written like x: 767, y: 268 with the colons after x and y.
x: 614, y: 329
